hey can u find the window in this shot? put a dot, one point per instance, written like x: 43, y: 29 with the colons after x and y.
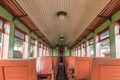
x: 32, y: 47
x: 104, y: 35
x: 40, y: 49
x: 1, y: 35
x: 104, y: 43
x: 18, y: 44
x: 73, y: 52
x: 4, y: 38
x: 76, y: 51
x: 117, y: 38
x: 91, y: 47
x: 83, y: 49
x: 79, y: 47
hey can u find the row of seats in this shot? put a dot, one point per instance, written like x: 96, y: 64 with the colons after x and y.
x: 86, y: 68
x: 18, y: 69
x: 42, y: 68
x: 46, y: 67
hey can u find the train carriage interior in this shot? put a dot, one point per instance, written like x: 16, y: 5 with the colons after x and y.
x: 59, y: 39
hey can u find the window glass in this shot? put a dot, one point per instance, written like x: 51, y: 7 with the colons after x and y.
x: 105, y: 47
x: 91, y: 41
x: 1, y: 24
x: 1, y: 35
x: 91, y: 50
x: 1, y: 27
x: 19, y: 34
x: 18, y: 48
x: 83, y: 50
x: 91, y: 47
x: 31, y: 50
x: 32, y: 47
x: 40, y: 49
x: 18, y: 44
x: 104, y: 35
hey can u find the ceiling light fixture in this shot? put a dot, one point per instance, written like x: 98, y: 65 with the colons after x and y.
x: 61, y: 38
x: 61, y: 15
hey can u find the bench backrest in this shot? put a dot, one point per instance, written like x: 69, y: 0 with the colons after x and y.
x: 17, y: 69
x: 106, y: 69
x: 70, y: 62
x: 83, y: 66
x: 44, y: 65
x: 55, y: 61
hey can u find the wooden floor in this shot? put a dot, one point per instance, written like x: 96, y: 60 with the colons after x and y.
x: 61, y: 74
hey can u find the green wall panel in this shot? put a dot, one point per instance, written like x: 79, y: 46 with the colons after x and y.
x: 67, y: 52
x: 112, y: 41
x: 11, y: 40
x: 55, y: 52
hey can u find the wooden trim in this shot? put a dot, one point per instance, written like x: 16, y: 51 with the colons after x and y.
x: 15, y: 9
x: 111, y: 8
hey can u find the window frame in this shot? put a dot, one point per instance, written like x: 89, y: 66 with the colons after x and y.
x: 89, y: 44
x: 105, y: 30
x: 16, y: 28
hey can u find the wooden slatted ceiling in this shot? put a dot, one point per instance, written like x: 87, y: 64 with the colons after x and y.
x: 80, y: 14
x: 14, y: 8
x: 109, y: 10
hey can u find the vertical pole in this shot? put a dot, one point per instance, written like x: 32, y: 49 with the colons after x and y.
x: 29, y: 44
x: 112, y: 40
x: 94, y: 45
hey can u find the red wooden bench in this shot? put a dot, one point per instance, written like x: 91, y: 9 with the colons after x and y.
x: 44, y: 68
x: 105, y: 69
x: 70, y: 62
x: 55, y: 64
x: 83, y: 66
x: 18, y: 69
x: 55, y: 61
x: 70, y: 66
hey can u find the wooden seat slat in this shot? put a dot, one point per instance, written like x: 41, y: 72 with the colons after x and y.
x: 18, y: 69
x: 83, y: 66
x: 105, y: 69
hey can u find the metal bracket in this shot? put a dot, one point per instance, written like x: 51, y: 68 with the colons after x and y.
x: 88, y: 29
x: 33, y: 30
x: 81, y: 36
x: 17, y: 17
x: 106, y: 17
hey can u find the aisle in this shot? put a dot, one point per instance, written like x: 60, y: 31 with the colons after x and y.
x: 61, y: 75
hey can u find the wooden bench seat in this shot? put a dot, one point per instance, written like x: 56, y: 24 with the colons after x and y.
x: 70, y: 66
x: 105, y: 69
x: 45, y: 67
x: 83, y: 66
x: 55, y: 65
x: 18, y: 69
x: 69, y: 63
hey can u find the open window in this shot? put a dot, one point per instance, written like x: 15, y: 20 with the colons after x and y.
x: 83, y: 50
x: 19, y: 43
x: 1, y: 35
x: 40, y: 49
x: 104, y: 41
x: 91, y: 47
x: 32, y: 46
x: 117, y: 38
x: 79, y: 50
